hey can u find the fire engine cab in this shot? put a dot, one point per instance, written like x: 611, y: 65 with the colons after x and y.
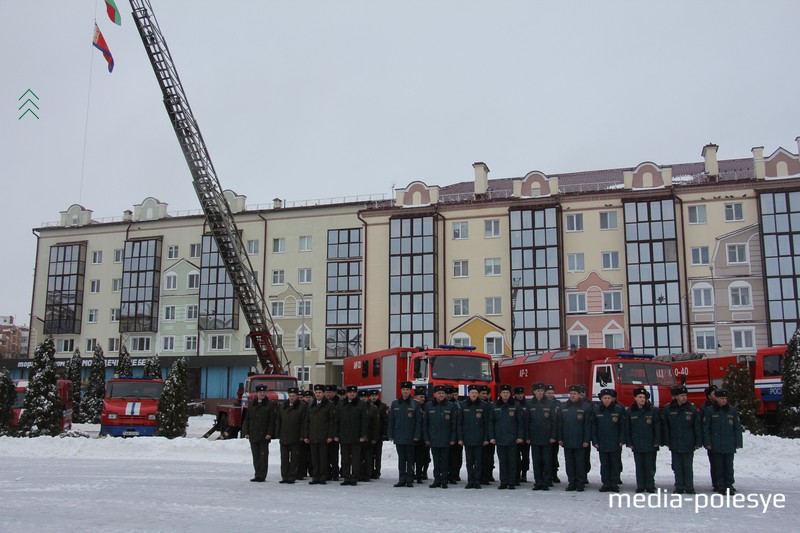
x: 595, y: 368
x: 768, y: 377
x: 230, y: 416
x: 64, y: 394
x: 130, y: 407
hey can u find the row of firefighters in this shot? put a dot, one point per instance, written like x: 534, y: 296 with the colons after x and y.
x: 316, y: 428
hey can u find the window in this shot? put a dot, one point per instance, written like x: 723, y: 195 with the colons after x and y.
x: 190, y: 343
x: 304, y: 308
x: 191, y: 312
x: 193, y: 280
x: 305, y: 243
x: 219, y: 306
x: 460, y: 230
x: 734, y: 212
x: 169, y: 313
x: 579, y: 340
x: 575, y: 262
x: 252, y: 247
x: 113, y: 344
x: 116, y: 284
x: 613, y: 340
x: 491, y: 266
x: 461, y: 269
x: 743, y: 339
x: 140, y: 344
x: 65, y: 288
x: 493, y: 305
x: 171, y: 281
x: 740, y: 295
x: 575, y: 222
x: 303, y: 340
x: 344, y: 243
x: 700, y: 255
x: 91, y: 344
x: 97, y: 257
x: 737, y: 254
x: 376, y: 367
x: 168, y: 343
x: 461, y: 307
x: 194, y: 250
x: 494, y: 345
x: 94, y: 286
x: 697, y: 214
x: 65, y: 345
x: 304, y: 275
x: 248, y: 342
x: 115, y: 314
x: 219, y: 342
x: 608, y: 220
x: 92, y: 318
x: 278, y: 245
x: 702, y: 295
x: 277, y: 309
x: 118, y: 255
x: 576, y: 302
x: 610, y: 260
x: 303, y: 373
x: 173, y: 251
x: 612, y: 301
x: 491, y: 228
x: 277, y: 277
x: 460, y: 340
x: 704, y: 340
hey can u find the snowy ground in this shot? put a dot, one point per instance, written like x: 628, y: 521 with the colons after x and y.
x: 153, y: 484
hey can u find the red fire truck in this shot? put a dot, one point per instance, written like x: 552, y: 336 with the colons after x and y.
x: 698, y: 371
x: 230, y: 416
x: 768, y: 378
x: 595, y: 368
x: 130, y: 407
x: 447, y: 365
x: 64, y: 394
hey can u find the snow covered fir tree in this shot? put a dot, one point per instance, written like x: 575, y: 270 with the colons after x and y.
x: 92, y: 402
x: 124, y: 364
x: 739, y: 384
x: 73, y: 373
x: 173, y: 412
x: 152, y: 368
x: 42, y: 407
x: 8, y: 393
x: 789, y: 407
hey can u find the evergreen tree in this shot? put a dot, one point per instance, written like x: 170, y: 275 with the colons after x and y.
x: 152, y: 368
x: 739, y: 384
x: 124, y: 364
x: 92, y: 403
x: 73, y: 373
x: 42, y: 407
x: 790, y: 401
x: 8, y: 393
x: 173, y: 413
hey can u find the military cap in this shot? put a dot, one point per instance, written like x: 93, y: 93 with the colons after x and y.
x: 449, y: 389
x: 420, y: 391
x: 363, y: 393
x: 549, y: 387
x: 485, y: 388
x: 374, y: 392
x: 505, y: 386
x: 641, y: 390
x: 439, y: 388
x: 261, y: 387
x: 474, y: 387
x: 711, y: 388
x: 607, y: 392
x: 352, y: 388
x: 331, y: 388
x: 538, y: 386
x: 574, y: 388
x: 721, y: 393
x: 405, y: 385
x: 308, y: 393
x: 519, y: 390
x: 680, y: 389
x: 293, y: 390
x: 582, y: 388
x: 319, y: 387
x: 341, y: 392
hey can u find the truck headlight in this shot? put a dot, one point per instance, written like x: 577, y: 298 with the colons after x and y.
x: 151, y: 417
x: 112, y: 416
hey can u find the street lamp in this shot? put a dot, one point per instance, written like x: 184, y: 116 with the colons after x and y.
x: 714, y: 309
x: 303, y: 336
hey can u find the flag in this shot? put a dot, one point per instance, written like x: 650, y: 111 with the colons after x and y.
x: 113, y: 12
x: 100, y: 43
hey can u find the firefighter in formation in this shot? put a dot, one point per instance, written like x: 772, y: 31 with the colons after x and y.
x: 522, y: 433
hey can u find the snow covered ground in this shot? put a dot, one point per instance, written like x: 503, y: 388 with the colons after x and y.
x: 154, y: 484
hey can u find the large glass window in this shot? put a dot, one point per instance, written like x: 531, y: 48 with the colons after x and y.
x: 141, y: 279
x: 343, y: 302
x: 65, y: 279
x: 219, y: 307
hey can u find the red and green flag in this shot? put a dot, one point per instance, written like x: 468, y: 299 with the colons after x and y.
x: 99, y: 42
x: 113, y: 12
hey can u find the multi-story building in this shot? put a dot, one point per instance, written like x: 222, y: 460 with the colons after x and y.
x: 701, y: 257
x: 13, y: 338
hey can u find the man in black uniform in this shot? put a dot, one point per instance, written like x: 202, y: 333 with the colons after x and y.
x: 404, y: 427
x: 258, y: 427
x: 550, y: 394
x: 319, y: 433
x: 523, y: 450
x: 351, y: 432
x: 439, y: 431
x: 377, y: 450
x: 456, y: 456
x: 304, y: 457
x: 711, y: 401
x: 422, y: 453
x: 289, y: 429
x: 487, y: 463
x: 333, y: 447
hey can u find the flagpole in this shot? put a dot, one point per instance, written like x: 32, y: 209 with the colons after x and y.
x: 88, y: 99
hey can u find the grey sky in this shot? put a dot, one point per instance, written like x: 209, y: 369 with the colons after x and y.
x: 320, y: 98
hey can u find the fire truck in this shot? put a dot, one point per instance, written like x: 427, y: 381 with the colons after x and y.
x: 446, y: 365
x: 64, y: 387
x: 767, y: 375
x: 698, y: 371
x: 230, y: 416
x: 130, y: 407
x: 218, y: 214
x: 595, y: 368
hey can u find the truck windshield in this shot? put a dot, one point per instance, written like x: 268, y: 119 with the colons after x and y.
x: 19, y: 401
x: 773, y: 365
x: 461, y: 367
x: 134, y: 389
x: 273, y: 384
x: 640, y: 373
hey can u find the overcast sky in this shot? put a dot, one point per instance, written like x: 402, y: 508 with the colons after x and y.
x: 320, y: 98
